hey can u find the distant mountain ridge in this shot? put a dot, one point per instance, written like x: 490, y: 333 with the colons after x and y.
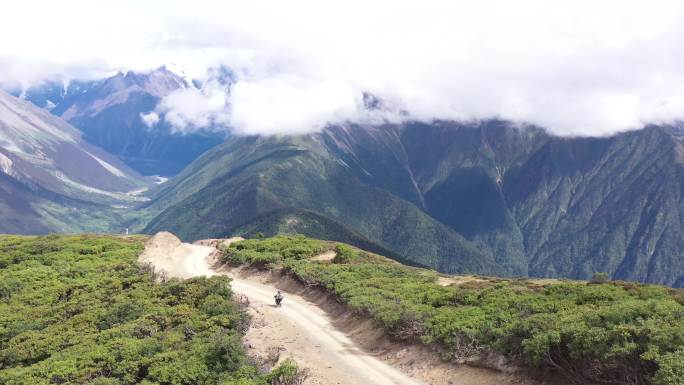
x: 489, y: 198
x: 52, y: 180
x: 108, y: 112
x: 247, y: 177
x: 49, y: 94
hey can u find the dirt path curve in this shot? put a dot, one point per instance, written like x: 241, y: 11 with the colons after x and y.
x: 303, y: 329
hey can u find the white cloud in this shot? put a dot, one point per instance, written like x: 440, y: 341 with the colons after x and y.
x: 280, y: 104
x: 575, y: 67
x: 150, y: 119
x: 189, y: 109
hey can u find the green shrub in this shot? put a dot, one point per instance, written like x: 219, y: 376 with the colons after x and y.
x: 104, y: 381
x: 671, y: 370
x: 344, y: 254
x: 287, y: 373
x: 599, y: 278
x: 263, y: 252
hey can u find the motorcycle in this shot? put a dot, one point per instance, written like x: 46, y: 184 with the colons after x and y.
x: 278, y: 301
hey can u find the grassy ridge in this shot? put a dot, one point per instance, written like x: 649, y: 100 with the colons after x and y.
x: 79, y: 310
x: 305, y: 222
x: 614, y: 332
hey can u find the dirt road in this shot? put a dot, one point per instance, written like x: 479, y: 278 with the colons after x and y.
x: 303, y: 331
x: 300, y: 327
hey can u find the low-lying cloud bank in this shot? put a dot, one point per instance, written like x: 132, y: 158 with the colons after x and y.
x: 574, y: 67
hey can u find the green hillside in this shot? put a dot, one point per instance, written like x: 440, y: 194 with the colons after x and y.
x: 246, y: 178
x: 590, y: 332
x: 298, y: 221
x: 488, y: 197
x: 79, y: 310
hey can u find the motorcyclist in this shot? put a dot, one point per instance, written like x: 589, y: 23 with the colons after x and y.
x: 278, y: 298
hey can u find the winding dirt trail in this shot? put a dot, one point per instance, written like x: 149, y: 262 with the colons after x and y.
x: 300, y: 327
x: 313, y: 337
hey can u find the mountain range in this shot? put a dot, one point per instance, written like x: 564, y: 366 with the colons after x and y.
x: 108, y: 112
x: 488, y: 197
x: 52, y: 180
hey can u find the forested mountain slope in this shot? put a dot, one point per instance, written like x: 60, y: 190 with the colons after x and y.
x: 528, y: 203
x: 247, y: 177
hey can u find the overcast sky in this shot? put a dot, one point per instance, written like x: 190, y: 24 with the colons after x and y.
x: 574, y: 67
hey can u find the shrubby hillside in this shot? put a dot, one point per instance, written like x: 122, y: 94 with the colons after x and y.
x: 597, y: 332
x: 79, y: 310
